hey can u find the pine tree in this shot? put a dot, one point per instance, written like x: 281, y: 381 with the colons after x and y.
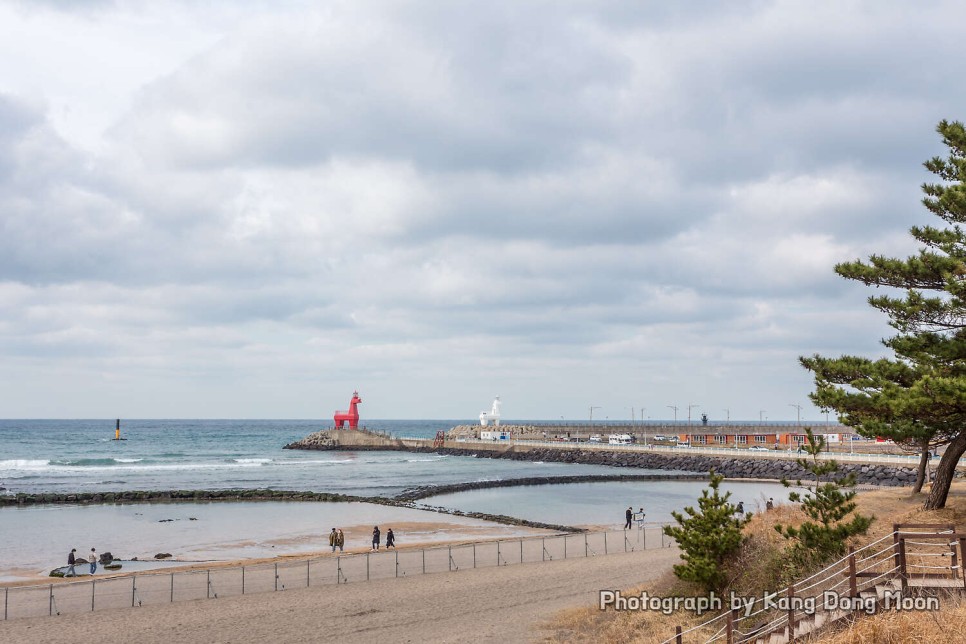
x: 827, y: 504
x: 918, y: 398
x: 706, y: 536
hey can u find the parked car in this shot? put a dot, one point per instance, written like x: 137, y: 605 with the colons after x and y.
x: 757, y: 448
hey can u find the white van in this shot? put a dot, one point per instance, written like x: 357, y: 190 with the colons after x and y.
x: 620, y: 439
x: 594, y: 439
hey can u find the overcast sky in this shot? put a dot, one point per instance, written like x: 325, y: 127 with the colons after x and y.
x: 250, y: 209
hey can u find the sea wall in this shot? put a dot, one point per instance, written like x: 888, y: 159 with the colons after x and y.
x: 745, y: 467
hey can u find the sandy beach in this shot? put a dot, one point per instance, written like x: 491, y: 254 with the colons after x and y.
x: 505, y: 604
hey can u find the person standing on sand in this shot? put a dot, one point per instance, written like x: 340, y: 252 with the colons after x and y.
x: 770, y: 504
x: 390, y: 539
x: 628, y: 517
x: 93, y: 561
x: 333, y: 539
x: 375, y: 538
x: 340, y: 540
x: 70, y: 564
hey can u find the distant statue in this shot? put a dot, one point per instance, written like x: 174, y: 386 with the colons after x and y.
x: 704, y: 419
x: 351, y: 416
x: 492, y: 415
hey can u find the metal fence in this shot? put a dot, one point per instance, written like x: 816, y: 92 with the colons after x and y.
x: 107, y: 592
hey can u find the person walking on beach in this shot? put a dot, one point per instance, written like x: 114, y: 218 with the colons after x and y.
x: 390, y: 539
x: 93, y: 561
x: 70, y: 564
x: 340, y: 540
x: 375, y: 538
x: 628, y: 518
x: 333, y: 539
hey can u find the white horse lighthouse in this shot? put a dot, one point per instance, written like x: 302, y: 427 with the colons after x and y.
x: 492, y: 415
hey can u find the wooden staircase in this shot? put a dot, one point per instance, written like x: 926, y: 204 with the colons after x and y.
x: 913, y: 559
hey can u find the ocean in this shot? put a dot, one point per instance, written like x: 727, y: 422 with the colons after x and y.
x: 63, y: 456
x: 67, y: 456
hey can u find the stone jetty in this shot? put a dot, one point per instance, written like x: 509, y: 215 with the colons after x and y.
x: 687, y: 460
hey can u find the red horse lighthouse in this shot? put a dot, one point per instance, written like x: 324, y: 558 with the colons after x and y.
x: 351, y: 416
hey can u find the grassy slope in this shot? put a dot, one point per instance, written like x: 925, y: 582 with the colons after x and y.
x: 759, y: 567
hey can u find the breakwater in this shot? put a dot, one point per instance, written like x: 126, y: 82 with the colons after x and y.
x: 206, y: 496
x: 423, y: 491
x: 743, y: 467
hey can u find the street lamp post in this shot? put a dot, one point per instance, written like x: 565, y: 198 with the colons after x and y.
x: 643, y: 428
x: 592, y: 408
x: 674, y: 407
x: 727, y: 416
x: 761, y: 415
x: 689, y: 413
x: 798, y: 410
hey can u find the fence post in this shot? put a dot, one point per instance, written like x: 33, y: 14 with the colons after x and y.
x: 397, y: 561
x: 367, y: 566
x: 903, y: 572
x: 521, y: 552
x: 449, y: 558
x: 677, y: 635
x: 208, y: 589
x: 565, y: 546
x: 586, y: 548
x: 424, y: 561
x: 962, y: 552
x: 172, y: 584
x: 474, y: 555
x: 6, y: 600
x: 308, y: 573
x: 134, y: 589
x: 853, y: 586
x: 895, y: 545
x: 92, y: 595
x: 497, y: 553
x: 243, y: 580
x: 50, y: 602
x: 276, y: 577
x: 605, y: 543
x: 791, y: 613
x: 543, y: 548
x: 730, y: 627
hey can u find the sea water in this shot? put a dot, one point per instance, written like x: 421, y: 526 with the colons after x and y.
x: 68, y: 456
x: 76, y: 456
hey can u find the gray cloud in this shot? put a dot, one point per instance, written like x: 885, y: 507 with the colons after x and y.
x: 555, y: 201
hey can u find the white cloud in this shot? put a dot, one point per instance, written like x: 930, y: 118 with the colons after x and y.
x: 231, y: 209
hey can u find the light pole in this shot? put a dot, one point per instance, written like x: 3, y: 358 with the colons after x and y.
x: 798, y: 410
x: 727, y: 416
x: 689, y: 413
x: 761, y: 415
x: 592, y: 408
x: 674, y: 407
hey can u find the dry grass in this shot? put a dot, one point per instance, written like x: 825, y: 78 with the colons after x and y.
x: 761, y: 566
x: 904, y: 627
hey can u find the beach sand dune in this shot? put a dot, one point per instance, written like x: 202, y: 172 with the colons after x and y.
x: 505, y: 604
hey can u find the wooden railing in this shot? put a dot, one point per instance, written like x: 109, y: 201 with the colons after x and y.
x: 920, y: 555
